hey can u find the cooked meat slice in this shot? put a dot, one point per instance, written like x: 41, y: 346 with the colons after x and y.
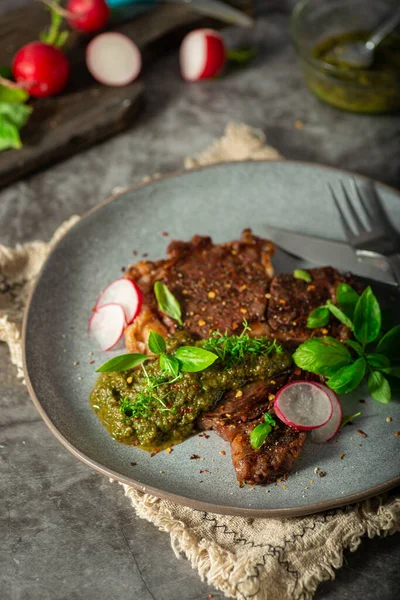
x: 217, y: 286
x: 274, y: 459
x: 234, y: 420
x: 292, y: 300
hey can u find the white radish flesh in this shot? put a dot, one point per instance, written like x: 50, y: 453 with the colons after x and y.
x: 330, y: 429
x: 113, y: 59
x: 303, y: 405
x: 124, y: 292
x: 107, y: 325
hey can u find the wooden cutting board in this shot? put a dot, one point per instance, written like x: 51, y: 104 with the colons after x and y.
x: 86, y: 112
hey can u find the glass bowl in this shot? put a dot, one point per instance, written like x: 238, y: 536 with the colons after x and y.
x: 362, y: 91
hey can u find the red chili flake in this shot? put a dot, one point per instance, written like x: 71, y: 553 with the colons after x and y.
x: 92, y: 362
x: 133, y: 464
x: 194, y: 457
x: 210, y: 596
x: 244, y: 418
x: 186, y: 410
x: 362, y: 433
x: 223, y: 452
x: 362, y: 401
x: 297, y: 371
x: 204, y: 435
x: 165, y: 233
x: 342, y: 455
x: 201, y: 471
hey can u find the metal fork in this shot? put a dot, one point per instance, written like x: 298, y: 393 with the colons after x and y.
x: 367, y: 226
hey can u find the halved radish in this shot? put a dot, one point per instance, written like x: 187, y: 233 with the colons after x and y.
x: 330, y: 429
x: 124, y: 292
x: 202, y: 54
x: 113, y: 59
x: 303, y: 405
x: 107, y: 325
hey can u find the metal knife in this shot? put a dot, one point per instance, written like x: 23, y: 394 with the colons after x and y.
x: 212, y: 8
x: 328, y: 252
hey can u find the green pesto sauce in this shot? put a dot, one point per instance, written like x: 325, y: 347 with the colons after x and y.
x: 184, y: 400
x: 376, y: 89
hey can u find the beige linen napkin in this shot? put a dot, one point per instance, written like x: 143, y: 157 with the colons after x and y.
x: 261, y: 559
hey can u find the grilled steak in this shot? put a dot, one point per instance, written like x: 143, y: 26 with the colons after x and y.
x: 217, y: 286
x: 235, y: 418
x: 292, y: 300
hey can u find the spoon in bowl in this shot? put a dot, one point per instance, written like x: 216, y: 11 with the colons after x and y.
x: 361, y: 54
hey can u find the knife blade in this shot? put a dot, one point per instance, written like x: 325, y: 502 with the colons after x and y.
x: 327, y: 252
x: 221, y: 11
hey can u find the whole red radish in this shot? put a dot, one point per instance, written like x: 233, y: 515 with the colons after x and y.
x: 202, y: 55
x: 42, y: 68
x: 87, y: 15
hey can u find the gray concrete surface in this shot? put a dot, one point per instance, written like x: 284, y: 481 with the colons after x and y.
x: 66, y: 532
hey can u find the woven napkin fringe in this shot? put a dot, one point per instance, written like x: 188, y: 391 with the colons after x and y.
x: 257, y: 559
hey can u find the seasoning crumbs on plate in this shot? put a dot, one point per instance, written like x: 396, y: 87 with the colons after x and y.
x: 362, y: 433
x: 342, y: 456
x: 389, y: 419
x: 397, y: 433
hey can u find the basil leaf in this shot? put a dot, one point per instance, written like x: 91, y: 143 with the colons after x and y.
x: 170, y: 365
x: 377, y: 361
x: 193, y: 359
x: 13, y: 95
x: 355, y: 346
x: 167, y: 302
x: 9, y: 135
x: 349, y: 377
x: 324, y: 356
x: 379, y: 387
x: 390, y: 343
x: 367, y: 317
x: 339, y: 314
x: 260, y: 433
x: 269, y: 419
x: 17, y: 114
x: 347, y: 418
x: 393, y: 371
x: 156, y: 343
x: 124, y: 362
x: 347, y: 298
x: 301, y: 274
x: 318, y: 317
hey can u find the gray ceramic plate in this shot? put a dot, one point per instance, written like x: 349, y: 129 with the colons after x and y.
x: 220, y: 201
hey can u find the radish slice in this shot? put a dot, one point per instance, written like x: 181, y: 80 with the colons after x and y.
x: 330, y: 429
x: 124, y: 292
x: 107, y: 325
x: 202, y: 55
x: 113, y: 59
x: 303, y: 405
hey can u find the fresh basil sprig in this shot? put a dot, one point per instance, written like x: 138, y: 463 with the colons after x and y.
x: 189, y: 359
x: 156, y: 343
x: 260, y: 433
x: 167, y: 302
x: 193, y: 359
x: 123, y: 362
x: 328, y: 357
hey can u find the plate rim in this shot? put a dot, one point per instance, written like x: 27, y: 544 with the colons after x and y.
x: 312, y: 508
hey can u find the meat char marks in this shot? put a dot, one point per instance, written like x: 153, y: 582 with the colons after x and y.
x: 217, y: 286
